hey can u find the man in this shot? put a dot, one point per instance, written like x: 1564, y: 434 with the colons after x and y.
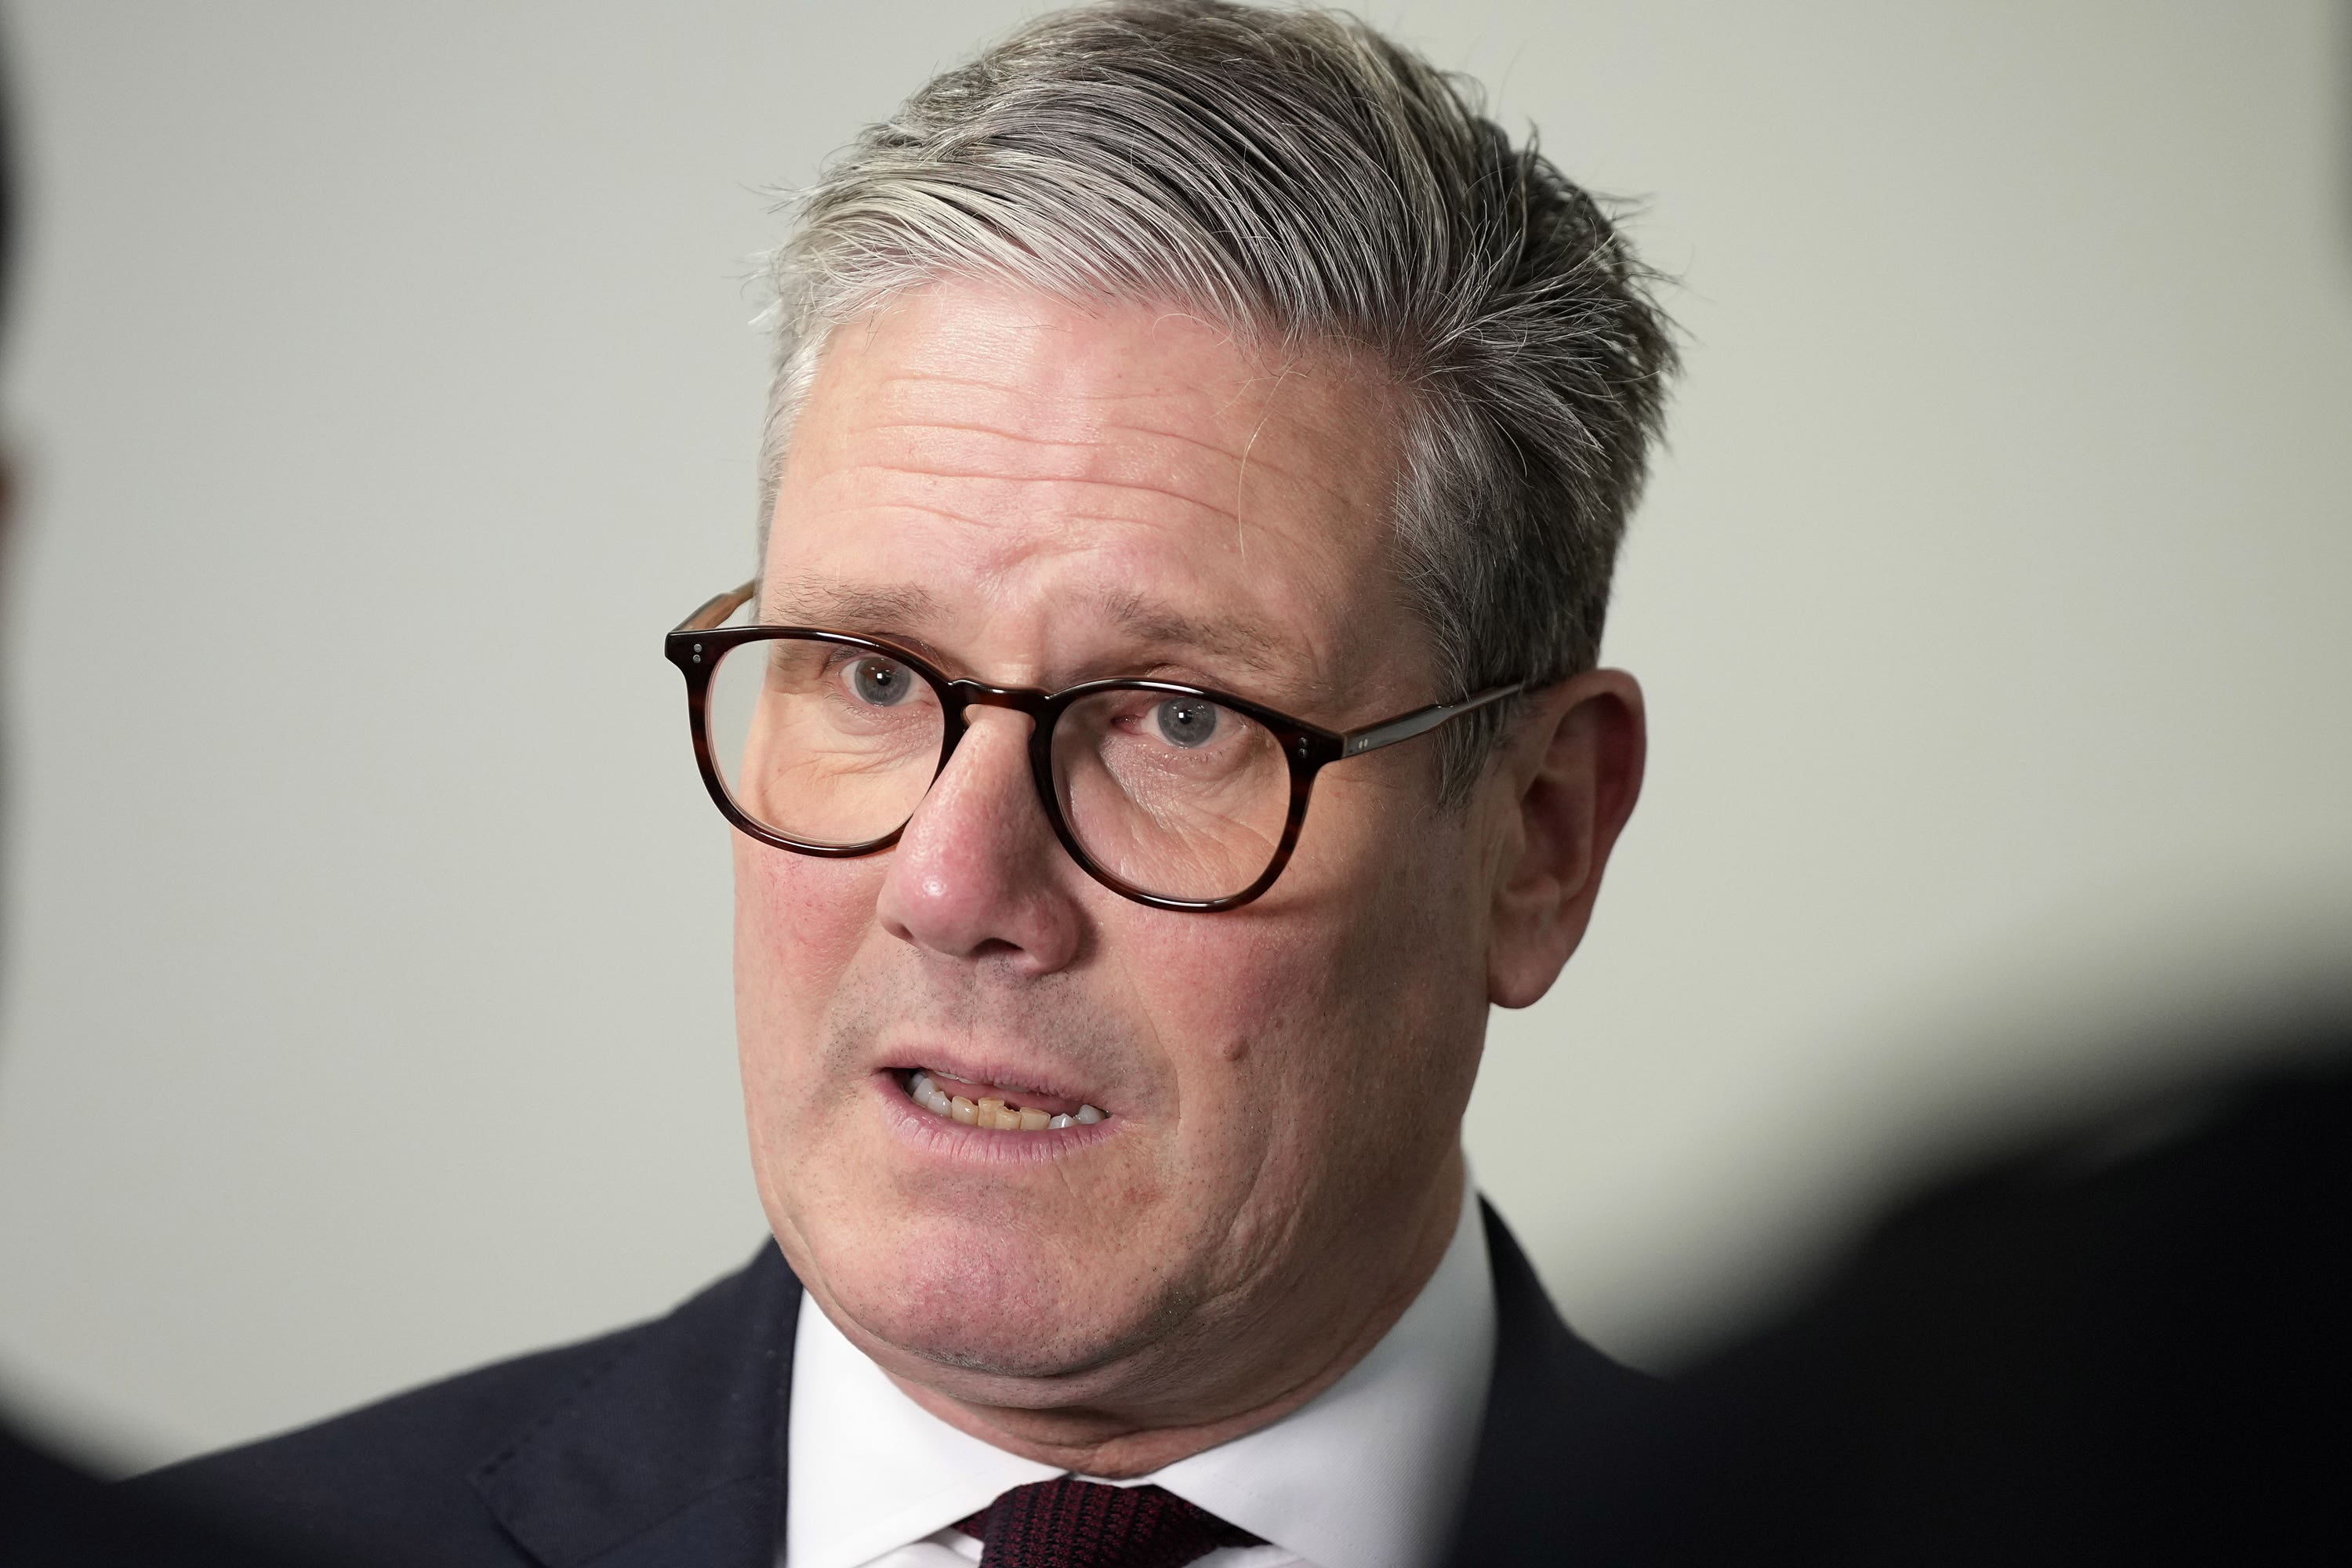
x: 1166, y: 719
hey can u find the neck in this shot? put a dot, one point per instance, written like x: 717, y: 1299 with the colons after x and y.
x: 1096, y: 1441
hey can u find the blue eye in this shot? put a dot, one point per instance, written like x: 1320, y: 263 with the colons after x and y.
x: 880, y: 682
x: 1187, y: 722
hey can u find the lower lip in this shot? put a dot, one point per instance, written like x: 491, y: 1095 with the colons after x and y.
x: 946, y: 1136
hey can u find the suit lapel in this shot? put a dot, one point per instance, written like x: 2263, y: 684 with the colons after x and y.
x: 673, y: 1450
x: 1557, y: 1411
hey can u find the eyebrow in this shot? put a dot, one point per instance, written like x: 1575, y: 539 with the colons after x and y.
x: 1243, y: 641
x: 809, y: 601
x: 898, y: 611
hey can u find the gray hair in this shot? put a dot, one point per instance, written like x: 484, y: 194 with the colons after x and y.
x: 1295, y: 177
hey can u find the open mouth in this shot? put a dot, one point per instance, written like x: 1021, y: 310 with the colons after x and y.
x: 996, y: 1107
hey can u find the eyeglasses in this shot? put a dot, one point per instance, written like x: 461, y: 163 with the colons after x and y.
x: 1177, y: 797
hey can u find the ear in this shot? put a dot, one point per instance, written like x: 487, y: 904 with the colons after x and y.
x: 1565, y: 785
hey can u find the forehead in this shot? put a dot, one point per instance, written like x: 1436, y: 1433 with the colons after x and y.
x: 1014, y: 481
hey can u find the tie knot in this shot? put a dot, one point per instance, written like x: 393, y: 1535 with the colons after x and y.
x: 1071, y: 1523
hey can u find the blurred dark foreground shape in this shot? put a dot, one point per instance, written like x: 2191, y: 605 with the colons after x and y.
x: 2127, y: 1345
x: 54, y: 1516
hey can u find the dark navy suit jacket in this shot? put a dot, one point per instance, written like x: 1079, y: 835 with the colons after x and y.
x: 664, y: 1444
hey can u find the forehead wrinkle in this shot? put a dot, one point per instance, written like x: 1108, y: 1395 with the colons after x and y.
x: 1071, y: 443
x: 1147, y: 471
x: 1239, y: 447
x: 912, y: 395
x: 891, y: 380
x: 918, y: 471
x: 894, y: 390
x: 1249, y: 456
x: 965, y: 427
x: 1239, y: 441
x: 1084, y: 449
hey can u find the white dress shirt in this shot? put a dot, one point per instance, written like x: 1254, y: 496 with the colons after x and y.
x: 1370, y: 1473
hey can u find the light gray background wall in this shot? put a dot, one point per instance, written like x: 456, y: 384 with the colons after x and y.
x: 383, y: 389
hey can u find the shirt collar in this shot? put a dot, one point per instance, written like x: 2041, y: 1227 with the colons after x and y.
x: 1370, y: 1473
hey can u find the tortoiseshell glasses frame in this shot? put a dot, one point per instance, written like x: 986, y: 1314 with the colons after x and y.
x: 701, y: 638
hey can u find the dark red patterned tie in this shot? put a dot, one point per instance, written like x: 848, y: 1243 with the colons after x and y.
x: 1071, y: 1523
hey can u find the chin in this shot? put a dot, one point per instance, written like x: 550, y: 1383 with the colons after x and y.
x: 951, y: 1299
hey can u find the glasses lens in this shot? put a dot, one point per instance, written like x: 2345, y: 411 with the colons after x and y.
x: 822, y: 743
x: 1173, y: 796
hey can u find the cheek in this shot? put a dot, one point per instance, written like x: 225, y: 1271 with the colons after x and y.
x: 1401, y: 977
x: 1276, y: 1005
x: 1221, y: 993
x: 798, y: 923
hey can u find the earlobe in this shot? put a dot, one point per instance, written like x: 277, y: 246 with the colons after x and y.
x: 1571, y: 776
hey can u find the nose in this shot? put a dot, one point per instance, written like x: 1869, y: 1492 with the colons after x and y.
x: 977, y: 873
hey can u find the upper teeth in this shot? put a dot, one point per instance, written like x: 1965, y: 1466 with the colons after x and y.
x: 991, y: 1112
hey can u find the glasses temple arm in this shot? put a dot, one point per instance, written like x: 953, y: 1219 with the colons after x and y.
x: 715, y: 612
x: 1356, y: 743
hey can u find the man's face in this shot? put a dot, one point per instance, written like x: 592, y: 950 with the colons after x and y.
x: 1032, y: 494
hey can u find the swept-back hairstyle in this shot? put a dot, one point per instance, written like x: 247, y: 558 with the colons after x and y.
x: 1295, y: 177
